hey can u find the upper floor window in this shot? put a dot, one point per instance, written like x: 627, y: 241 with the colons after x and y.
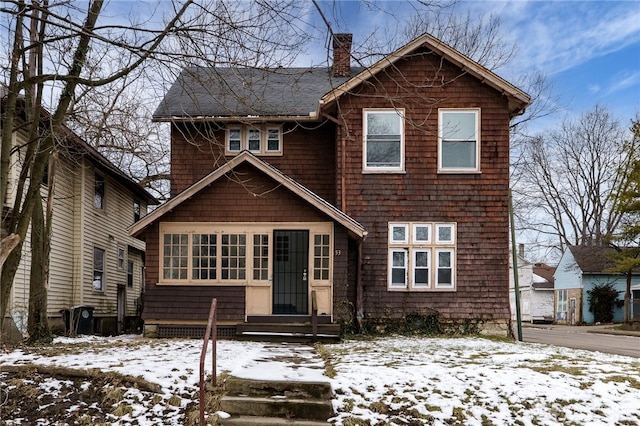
x: 260, y: 140
x: 383, y: 140
x: 459, y: 140
x: 136, y: 210
x: 99, y: 191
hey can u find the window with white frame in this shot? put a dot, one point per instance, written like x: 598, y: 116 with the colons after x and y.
x: 561, y: 310
x: 459, y: 140
x: 421, y: 256
x: 383, y: 140
x: 260, y: 140
x: 234, y: 254
x: 98, y: 269
x: 99, y: 192
x: 121, y: 256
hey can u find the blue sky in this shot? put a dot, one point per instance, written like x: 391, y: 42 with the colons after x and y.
x: 589, y: 50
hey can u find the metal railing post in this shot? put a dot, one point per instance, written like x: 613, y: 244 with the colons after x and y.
x: 212, y: 331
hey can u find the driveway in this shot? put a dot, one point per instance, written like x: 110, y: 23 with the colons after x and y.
x: 593, y: 338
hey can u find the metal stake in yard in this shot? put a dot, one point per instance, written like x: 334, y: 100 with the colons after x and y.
x: 210, y: 331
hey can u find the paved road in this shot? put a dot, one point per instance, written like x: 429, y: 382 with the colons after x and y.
x: 582, y: 338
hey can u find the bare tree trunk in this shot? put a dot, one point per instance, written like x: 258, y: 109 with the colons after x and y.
x: 38, y: 325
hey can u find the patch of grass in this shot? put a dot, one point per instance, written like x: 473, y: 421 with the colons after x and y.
x: 174, y: 401
x: 631, y: 381
x: 355, y: 421
x: 573, y: 371
x: 325, y: 354
x: 122, y: 410
x: 486, y: 421
x: 432, y: 408
x: 379, y: 407
x: 458, y: 417
x: 348, y: 405
x: 112, y: 395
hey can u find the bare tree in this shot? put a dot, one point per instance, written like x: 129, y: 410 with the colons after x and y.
x: 571, y: 180
x: 60, y: 52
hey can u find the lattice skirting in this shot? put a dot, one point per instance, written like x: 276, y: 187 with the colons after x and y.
x: 194, y: 331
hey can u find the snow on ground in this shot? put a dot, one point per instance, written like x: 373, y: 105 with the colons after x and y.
x: 466, y: 381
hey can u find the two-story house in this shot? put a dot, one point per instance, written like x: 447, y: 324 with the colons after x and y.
x: 96, y: 268
x: 376, y: 192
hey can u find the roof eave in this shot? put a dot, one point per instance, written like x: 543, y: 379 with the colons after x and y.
x: 312, y: 116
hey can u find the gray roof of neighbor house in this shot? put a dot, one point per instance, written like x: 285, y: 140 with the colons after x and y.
x: 247, y: 92
x: 594, y: 259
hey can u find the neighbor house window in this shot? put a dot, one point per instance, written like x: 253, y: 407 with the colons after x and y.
x: 98, y: 269
x: 260, y: 140
x: 459, y: 140
x: 561, y: 311
x: 420, y: 261
x: 99, y: 191
x: 130, y: 273
x: 136, y: 210
x: 121, y: 258
x: 383, y: 140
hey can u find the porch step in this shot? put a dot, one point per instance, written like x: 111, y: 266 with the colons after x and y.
x: 267, y: 402
x: 297, y: 390
x: 282, y: 319
x: 270, y: 421
x: 287, y: 332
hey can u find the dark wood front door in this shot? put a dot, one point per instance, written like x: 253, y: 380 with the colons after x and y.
x: 290, y: 270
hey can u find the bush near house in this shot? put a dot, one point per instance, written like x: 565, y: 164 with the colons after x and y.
x: 602, y: 299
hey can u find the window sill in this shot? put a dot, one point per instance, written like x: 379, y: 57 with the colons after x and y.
x: 421, y: 290
x: 204, y: 284
x: 383, y: 172
x: 459, y: 172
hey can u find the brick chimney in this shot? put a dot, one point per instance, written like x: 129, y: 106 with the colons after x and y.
x: 341, y: 54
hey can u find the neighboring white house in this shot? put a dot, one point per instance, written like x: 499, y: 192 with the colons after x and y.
x: 96, y: 268
x: 535, y: 282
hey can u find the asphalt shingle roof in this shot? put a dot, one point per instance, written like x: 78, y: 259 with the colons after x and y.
x: 247, y: 92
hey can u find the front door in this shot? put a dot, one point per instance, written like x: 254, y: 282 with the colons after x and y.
x: 121, y: 302
x: 290, y: 267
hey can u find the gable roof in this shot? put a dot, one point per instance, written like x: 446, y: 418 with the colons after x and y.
x: 518, y: 100
x: 211, y: 93
x: 246, y: 157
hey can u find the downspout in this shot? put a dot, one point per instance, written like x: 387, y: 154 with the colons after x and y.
x: 359, y: 305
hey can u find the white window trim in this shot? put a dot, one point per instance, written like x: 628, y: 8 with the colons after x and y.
x: 438, y: 226
x: 249, y: 229
x: 475, y: 169
x: 406, y: 233
x: 244, y: 139
x: 412, y: 246
x: 415, y: 233
x: 372, y: 169
x: 404, y: 251
x: 438, y: 267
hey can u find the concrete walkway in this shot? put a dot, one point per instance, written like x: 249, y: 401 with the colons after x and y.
x: 599, y: 329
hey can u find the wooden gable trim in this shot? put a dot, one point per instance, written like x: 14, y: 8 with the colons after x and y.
x: 246, y: 157
x: 518, y: 100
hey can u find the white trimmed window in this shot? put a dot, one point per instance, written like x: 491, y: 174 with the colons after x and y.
x: 234, y: 254
x: 421, y: 256
x: 459, y: 140
x: 260, y: 140
x: 98, y: 269
x: 383, y: 140
x: 561, y: 310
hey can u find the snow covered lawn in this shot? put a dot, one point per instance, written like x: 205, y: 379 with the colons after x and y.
x: 415, y: 381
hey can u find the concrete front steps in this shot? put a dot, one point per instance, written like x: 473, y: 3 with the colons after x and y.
x: 266, y: 403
